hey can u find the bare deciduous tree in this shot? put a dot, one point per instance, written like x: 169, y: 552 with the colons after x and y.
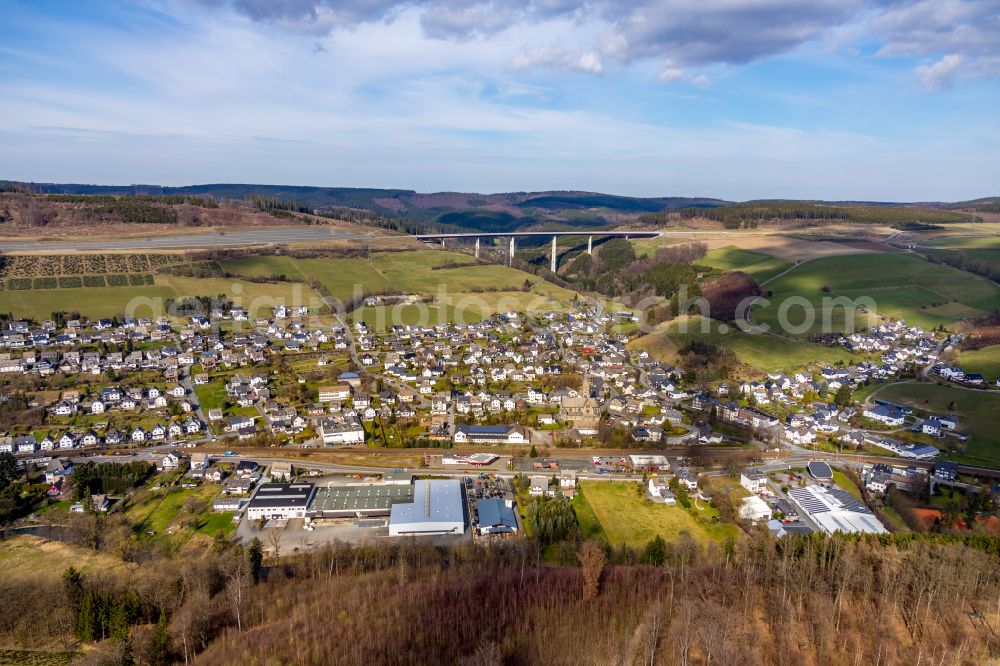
x: 240, y: 581
x: 592, y: 559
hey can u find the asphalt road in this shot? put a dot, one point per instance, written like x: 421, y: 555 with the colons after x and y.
x: 270, y: 235
x: 194, y: 240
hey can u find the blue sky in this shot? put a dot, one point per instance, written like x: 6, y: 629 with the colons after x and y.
x: 833, y: 99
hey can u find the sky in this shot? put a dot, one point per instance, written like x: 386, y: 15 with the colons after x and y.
x: 894, y: 100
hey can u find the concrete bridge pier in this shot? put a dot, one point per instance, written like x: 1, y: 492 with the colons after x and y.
x: 511, y: 249
x: 590, y: 245
x: 477, y: 247
x: 552, y: 263
x: 442, y: 242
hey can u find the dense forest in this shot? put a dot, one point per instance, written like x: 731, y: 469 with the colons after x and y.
x: 984, y: 205
x: 615, y: 270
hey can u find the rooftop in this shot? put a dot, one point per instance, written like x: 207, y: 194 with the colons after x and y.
x: 834, y: 510
x: 496, y: 513
x: 373, y: 497
x: 282, y: 495
x: 820, y: 470
x: 434, y: 500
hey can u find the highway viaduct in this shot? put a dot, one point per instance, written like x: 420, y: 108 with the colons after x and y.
x: 531, y: 234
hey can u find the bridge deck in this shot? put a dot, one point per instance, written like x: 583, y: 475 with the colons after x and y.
x: 508, y: 234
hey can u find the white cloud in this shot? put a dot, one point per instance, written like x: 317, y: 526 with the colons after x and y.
x: 557, y: 58
x: 685, y: 32
x: 964, y: 36
x: 671, y: 74
x: 941, y: 74
x: 213, y: 96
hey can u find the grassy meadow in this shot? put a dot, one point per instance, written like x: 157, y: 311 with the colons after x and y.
x: 901, y: 285
x: 985, y: 361
x: 626, y: 517
x: 758, y: 265
x: 418, y: 271
x: 26, y: 556
x: 466, y: 292
x: 964, y: 242
x: 978, y: 412
x: 767, y: 353
x: 149, y: 300
x: 172, y: 511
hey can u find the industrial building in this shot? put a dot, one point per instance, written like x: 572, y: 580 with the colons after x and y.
x: 370, y: 500
x: 438, y: 507
x: 755, y: 509
x: 474, y: 459
x: 487, y: 434
x: 834, y: 510
x: 280, y: 501
x: 496, y: 516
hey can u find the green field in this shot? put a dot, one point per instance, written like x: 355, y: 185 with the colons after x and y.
x: 472, y: 288
x: 844, y: 482
x: 979, y: 413
x: 211, y: 395
x: 963, y: 242
x: 590, y: 526
x: 767, y: 353
x: 981, y: 260
x: 760, y: 266
x: 901, y: 286
x: 985, y: 361
x: 213, y: 523
x: 626, y: 517
x: 91, y: 302
x: 416, y: 271
x: 163, y: 510
x: 33, y: 557
x: 149, y: 300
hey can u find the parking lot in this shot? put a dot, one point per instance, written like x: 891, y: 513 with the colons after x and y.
x: 537, y: 465
x: 486, y: 486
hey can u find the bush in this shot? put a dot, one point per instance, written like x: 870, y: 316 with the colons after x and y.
x: 19, y: 283
x: 137, y: 263
x: 94, y: 281
x: 117, y: 280
x: 45, y: 283
x: 70, y: 282
x: 94, y: 263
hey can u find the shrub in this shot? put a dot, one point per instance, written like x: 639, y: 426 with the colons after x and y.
x: 94, y: 263
x: 45, y: 283
x: 70, y: 282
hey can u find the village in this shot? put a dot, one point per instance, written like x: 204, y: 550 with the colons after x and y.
x: 511, y: 383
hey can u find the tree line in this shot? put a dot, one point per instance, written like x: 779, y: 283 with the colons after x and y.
x: 752, y: 214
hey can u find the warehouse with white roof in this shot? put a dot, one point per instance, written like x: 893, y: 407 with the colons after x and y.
x: 438, y: 507
x: 835, y: 510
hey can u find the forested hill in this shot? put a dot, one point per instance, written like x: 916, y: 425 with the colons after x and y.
x: 754, y: 213
x: 517, y: 211
x: 480, y: 212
